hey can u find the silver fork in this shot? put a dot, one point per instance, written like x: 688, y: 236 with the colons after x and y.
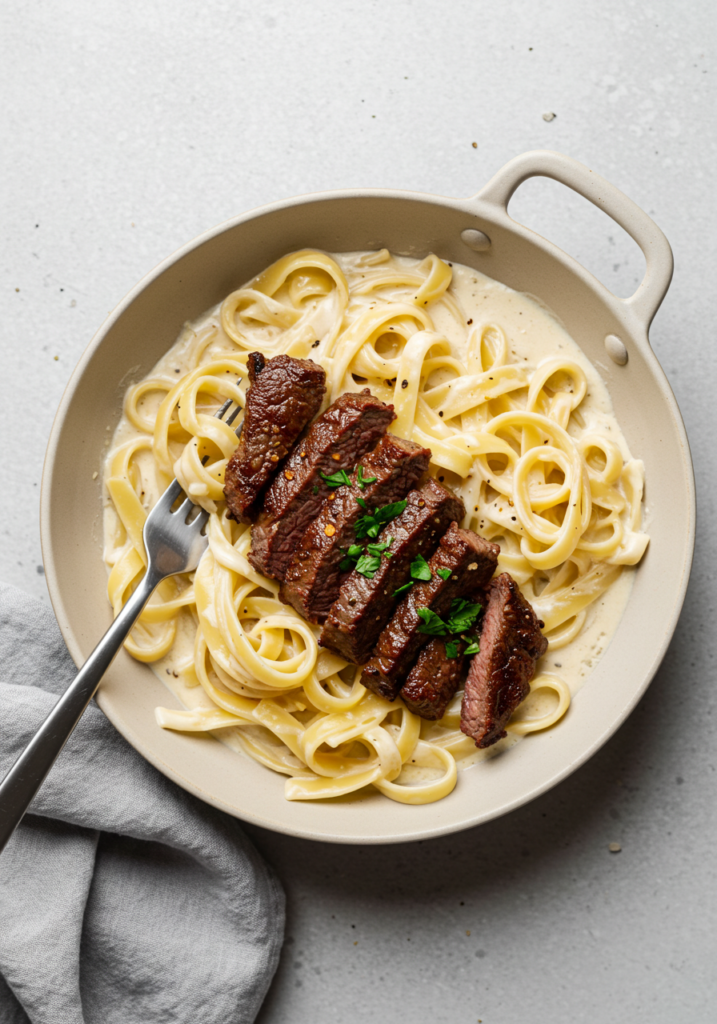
x: 174, y: 543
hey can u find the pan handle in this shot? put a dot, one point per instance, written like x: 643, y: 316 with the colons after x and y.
x: 645, y: 302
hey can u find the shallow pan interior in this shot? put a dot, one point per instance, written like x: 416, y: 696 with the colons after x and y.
x: 146, y: 324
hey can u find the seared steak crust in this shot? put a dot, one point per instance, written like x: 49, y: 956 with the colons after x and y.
x: 255, y: 362
x: 499, y: 676
x: 471, y: 561
x: 433, y: 680
x: 284, y: 394
x: 336, y: 440
x: 314, y: 576
x: 363, y: 606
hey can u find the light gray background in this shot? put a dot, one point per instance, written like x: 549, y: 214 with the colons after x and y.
x: 129, y: 128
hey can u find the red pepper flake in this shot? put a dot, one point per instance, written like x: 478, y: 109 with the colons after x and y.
x: 288, y: 474
x: 336, y: 456
x: 329, y: 530
x: 274, y: 457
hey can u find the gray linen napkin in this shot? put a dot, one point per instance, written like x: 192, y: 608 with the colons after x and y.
x: 122, y: 898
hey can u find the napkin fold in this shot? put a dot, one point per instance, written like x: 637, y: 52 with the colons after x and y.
x: 123, y: 899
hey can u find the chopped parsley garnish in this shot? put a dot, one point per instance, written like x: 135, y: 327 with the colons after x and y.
x: 377, y: 549
x: 350, y: 558
x: 362, y: 480
x: 420, y: 569
x: 432, y: 624
x: 365, y: 561
x: 453, y: 646
x: 403, y: 589
x: 445, y: 574
x: 370, y: 524
x: 340, y: 479
x: 315, y: 489
x: 462, y: 615
x: 461, y: 618
x: 368, y: 565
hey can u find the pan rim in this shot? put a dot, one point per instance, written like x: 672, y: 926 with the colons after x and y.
x: 471, y: 207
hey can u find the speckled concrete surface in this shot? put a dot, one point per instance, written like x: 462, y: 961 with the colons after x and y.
x: 127, y: 130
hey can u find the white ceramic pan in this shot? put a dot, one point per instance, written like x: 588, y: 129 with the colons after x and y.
x: 478, y: 232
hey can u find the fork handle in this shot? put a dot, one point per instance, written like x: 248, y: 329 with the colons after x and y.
x: 29, y: 771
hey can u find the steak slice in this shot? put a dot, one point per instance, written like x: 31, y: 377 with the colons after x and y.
x: 471, y: 561
x: 363, y: 606
x: 314, y: 575
x: 336, y: 440
x: 434, y: 679
x: 284, y: 394
x: 499, y: 676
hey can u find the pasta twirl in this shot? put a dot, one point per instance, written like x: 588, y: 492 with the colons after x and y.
x: 519, y: 424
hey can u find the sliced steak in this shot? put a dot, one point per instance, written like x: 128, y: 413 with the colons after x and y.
x: 284, y: 394
x: 499, y: 676
x: 336, y: 440
x: 314, y: 576
x: 363, y: 606
x: 434, y: 679
x: 471, y: 561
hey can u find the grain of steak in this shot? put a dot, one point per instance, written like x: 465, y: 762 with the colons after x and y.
x: 314, y: 575
x: 363, y: 606
x: 434, y: 679
x: 499, y: 676
x: 471, y: 561
x: 284, y: 394
x: 336, y: 440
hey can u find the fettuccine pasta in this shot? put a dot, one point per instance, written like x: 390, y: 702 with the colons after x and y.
x: 519, y: 424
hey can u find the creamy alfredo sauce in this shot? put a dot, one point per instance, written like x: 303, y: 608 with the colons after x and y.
x: 533, y: 334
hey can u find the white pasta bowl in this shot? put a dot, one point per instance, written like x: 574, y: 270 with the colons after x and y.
x: 478, y: 232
